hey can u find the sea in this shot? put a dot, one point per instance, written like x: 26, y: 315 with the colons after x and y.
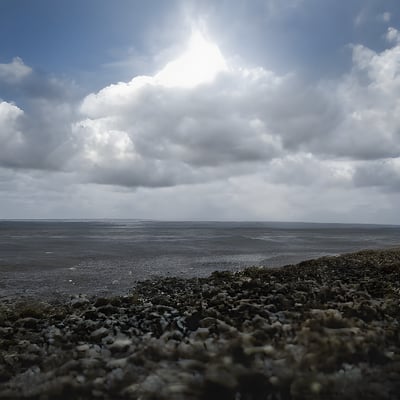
x: 59, y: 258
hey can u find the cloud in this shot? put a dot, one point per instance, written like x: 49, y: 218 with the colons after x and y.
x: 188, y: 126
x: 160, y: 131
x: 11, y: 138
x: 393, y: 35
x: 39, y: 139
x: 20, y: 82
x: 35, y: 124
x: 15, y: 71
x: 36, y: 139
x: 306, y: 169
x: 368, y: 99
x: 386, y: 16
x: 383, y: 174
x: 147, y: 132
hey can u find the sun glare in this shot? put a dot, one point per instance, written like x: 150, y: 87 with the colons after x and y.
x: 201, y: 62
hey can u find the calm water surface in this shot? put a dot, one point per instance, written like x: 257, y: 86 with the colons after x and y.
x: 59, y: 258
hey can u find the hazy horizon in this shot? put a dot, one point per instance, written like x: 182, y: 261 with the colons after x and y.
x: 278, y: 222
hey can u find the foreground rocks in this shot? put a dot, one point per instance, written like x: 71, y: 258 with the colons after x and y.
x: 323, y: 329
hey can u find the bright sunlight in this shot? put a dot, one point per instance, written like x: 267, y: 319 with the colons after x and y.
x: 201, y: 62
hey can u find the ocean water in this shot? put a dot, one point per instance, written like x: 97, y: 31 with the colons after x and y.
x: 51, y: 258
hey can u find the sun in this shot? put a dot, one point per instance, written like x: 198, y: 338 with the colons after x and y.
x: 200, y: 63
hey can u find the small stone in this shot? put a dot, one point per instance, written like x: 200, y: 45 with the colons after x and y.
x: 82, y: 347
x: 99, y: 333
x: 90, y: 314
x: 201, y: 333
x: 28, y: 322
x: 80, y: 301
x: 315, y: 387
x: 269, y: 350
x: 120, y: 345
x: 117, y: 363
x: 274, y: 380
x: 108, y: 309
x: 152, y: 384
x: 101, y: 301
x: 80, y: 379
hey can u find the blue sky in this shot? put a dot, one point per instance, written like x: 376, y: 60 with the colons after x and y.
x: 237, y: 109
x: 75, y: 38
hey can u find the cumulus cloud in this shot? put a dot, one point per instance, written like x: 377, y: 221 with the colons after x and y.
x: 369, y: 104
x: 37, y: 139
x: 15, y: 71
x: 370, y: 96
x: 35, y: 121
x: 186, y: 125
x: 164, y: 130
x: 149, y: 132
x: 11, y: 137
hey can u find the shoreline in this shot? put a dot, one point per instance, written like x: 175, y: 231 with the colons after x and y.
x: 324, y: 328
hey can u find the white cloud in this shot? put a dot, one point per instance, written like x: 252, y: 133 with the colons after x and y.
x: 147, y: 133
x: 157, y: 131
x: 11, y: 138
x: 369, y: 100
x: 222, y: 142
x: 393, y: 35
x: 15, y: 71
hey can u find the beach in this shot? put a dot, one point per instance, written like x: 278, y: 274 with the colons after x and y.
x: 57, y: 259
x: 323, y: 329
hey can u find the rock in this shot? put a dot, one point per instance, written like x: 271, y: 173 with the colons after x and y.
x: 120, y: 345
x: 79, y: 301
x: 117, y: 363
x: 321, y: 329
x: 101, y: 301
x: 99, y: 333
x: 82, y: 347
x: 28, y: 322
x: 108, y: 309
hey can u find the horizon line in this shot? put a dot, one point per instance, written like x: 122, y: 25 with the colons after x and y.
x: 198, y: 221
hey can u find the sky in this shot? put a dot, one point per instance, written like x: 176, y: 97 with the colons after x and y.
x: 265, y: 110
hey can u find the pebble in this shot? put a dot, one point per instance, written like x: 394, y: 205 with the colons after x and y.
x: 120, y: 345
x: 28, y: 322
x: 100, y: 333
x: 79, y: 301
x: 83, y: 347
x: 324, y: 328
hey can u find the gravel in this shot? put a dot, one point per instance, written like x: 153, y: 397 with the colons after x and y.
x: 322, y: 329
